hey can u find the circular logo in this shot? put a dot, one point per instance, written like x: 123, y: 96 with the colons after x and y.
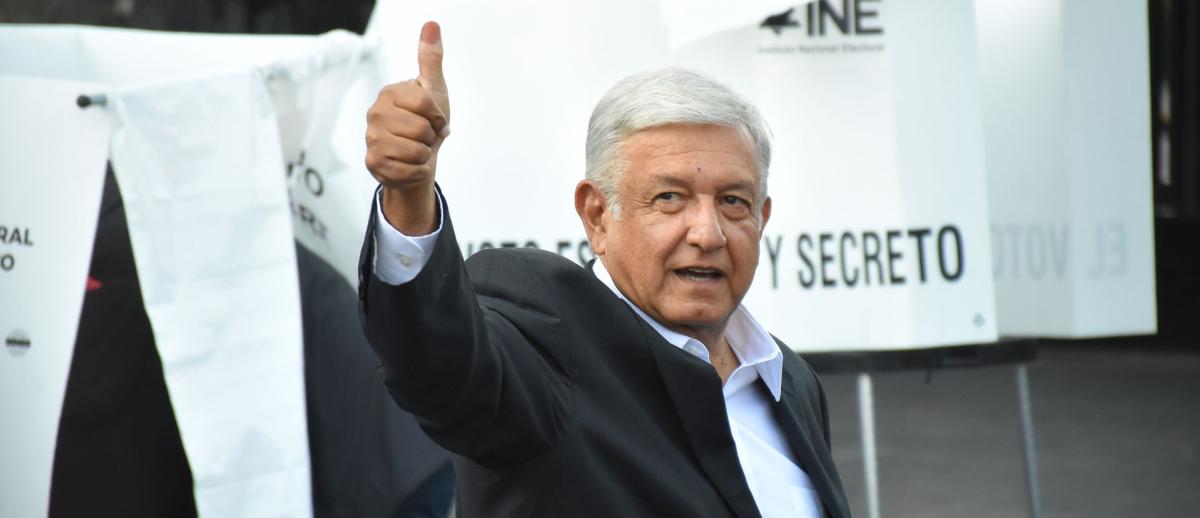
x: 17, y: 342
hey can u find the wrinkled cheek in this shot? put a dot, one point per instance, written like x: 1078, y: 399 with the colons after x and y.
x: 739, y: 287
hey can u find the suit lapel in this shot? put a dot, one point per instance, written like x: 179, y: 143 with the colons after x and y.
x: 815, y: 461
x: 695, y: 389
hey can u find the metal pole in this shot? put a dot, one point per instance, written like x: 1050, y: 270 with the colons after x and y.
x: 1031, y: 473
x: 866, y: 419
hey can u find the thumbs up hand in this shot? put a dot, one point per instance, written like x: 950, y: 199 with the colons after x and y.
x: 405, y: 129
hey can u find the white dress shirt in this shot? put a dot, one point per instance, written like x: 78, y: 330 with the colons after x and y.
x: 780, y: 488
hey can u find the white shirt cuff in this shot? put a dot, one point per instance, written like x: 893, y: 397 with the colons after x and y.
x: 400, y: 257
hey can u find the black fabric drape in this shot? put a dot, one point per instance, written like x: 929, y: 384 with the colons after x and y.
x: 119, y: 452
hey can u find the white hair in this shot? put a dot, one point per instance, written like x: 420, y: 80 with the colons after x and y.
x: 657, y: 98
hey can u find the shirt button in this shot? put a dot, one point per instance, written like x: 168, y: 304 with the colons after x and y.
x: 406, y: 260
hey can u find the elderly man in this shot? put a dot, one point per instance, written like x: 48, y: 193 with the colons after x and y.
x: 638, y: 386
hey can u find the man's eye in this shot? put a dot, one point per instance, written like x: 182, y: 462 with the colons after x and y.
x: 667, y: 196
x: 734, y: 200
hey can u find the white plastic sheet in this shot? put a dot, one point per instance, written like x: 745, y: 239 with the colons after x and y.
x: 321, y: 107
x: 201, y: 174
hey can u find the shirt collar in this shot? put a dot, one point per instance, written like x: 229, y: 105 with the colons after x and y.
x: 751, y: 343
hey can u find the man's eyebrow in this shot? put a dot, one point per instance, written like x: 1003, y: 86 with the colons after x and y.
x: 668, y: 180
x: 740, y: 185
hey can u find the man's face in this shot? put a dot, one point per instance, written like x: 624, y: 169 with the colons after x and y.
x: 686, y: 244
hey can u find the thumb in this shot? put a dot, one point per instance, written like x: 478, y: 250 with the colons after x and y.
x: 429, y: 58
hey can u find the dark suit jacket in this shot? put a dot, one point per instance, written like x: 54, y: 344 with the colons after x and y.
x: 558, y: 400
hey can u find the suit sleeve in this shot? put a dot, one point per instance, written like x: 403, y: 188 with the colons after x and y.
x: 457, y: 360
x: 399, y: 257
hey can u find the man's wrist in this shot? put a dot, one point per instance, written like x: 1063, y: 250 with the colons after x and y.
x: 399, y: 257
x: 413, y: 212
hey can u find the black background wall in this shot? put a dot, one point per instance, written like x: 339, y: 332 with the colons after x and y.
x: 1175, y: 87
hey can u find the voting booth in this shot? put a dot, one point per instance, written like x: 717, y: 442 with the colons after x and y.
x: 199, y: 130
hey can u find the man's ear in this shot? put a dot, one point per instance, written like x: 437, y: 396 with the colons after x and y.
x: 766, y: 214
x: 593, y: 213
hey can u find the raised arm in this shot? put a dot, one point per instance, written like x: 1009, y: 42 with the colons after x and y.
x: 405, y: 130
x: 459, y: 361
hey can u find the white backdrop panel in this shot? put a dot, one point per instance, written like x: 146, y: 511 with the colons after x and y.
x: 877, y: 140
x: 1066, y: 114
x: 53, y: 174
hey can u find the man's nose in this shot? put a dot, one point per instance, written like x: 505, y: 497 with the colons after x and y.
x: 704, y: 230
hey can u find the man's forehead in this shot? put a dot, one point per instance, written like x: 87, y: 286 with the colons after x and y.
x: 672, y: 140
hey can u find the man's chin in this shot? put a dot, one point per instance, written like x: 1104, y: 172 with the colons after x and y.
x: 704, y: 318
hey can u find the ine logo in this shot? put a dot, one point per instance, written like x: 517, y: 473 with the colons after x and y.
x: 18, y: 342
x: 778, y: 22
x: 829, y: 17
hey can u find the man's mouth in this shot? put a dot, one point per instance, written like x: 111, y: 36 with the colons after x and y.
x: 699, y: 274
